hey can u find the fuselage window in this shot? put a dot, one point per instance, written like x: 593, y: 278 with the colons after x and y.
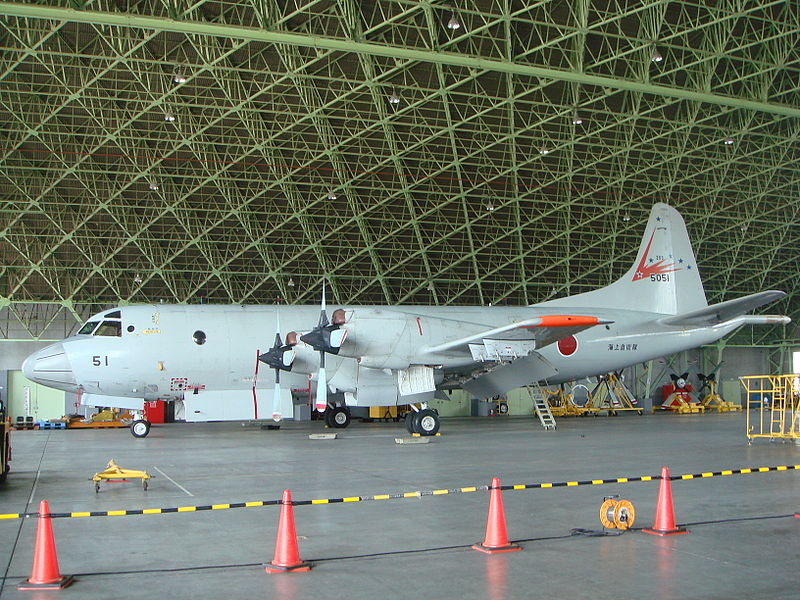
x: 110, y: 329
x: 199, y: 337
x: 88, y: 328
x: 131, y: 328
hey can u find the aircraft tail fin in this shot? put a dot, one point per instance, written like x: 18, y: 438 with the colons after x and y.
x: 664, y: 277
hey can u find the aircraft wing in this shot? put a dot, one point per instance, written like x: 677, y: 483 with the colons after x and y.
x: 509, y: 376
x: 723, y: 311
x: 543, y: 330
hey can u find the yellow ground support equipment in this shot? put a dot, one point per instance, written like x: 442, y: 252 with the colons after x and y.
x: 680, y: 400
x: 616, y: 513
x: 116, y: 474
x: 562, y: 403
x: 610, y: 394
x: 773, y: 406
x: 109, y: 418
x: 712, y: 400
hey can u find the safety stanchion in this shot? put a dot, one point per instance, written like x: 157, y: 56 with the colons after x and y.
x: 665, y: 512
x: 45, y: 574
x: 496, y: 538
x: 287, y: 555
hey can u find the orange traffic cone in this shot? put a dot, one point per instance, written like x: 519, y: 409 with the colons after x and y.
x: 496, y: 539
x: 665, y: 513
x: 45, y: 575
x: 287, y: 555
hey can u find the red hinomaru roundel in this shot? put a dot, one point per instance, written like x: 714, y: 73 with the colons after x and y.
x: 567, y: 346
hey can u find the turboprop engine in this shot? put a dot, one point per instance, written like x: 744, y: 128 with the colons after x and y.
x: 378, y: 338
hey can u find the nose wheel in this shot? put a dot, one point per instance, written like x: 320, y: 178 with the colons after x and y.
x: 140, y: 428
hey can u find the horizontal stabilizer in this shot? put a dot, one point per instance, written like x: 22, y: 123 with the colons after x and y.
x: 724, y: 311
x: 544, y: 330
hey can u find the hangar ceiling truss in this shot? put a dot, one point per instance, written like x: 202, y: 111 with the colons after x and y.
x: 242, y: 151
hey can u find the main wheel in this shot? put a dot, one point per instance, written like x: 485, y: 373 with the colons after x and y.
x: 340, y: 417
x: 409, y: 421
x: 426, y: 422
x: 140, y: 428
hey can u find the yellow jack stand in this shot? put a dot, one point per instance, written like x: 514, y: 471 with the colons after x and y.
x: 676, y: 402
x: 115, y: 474
x: 712, y: 399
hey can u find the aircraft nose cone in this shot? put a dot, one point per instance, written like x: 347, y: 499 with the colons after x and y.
x: 50, y: 366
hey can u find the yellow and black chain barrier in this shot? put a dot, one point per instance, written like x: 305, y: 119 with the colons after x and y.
x: 462, y: 490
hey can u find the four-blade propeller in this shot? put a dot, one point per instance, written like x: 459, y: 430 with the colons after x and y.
x: 326, y: 337
x: 280, y: 358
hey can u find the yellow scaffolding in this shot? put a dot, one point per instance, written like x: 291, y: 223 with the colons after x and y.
x: 773, y: 406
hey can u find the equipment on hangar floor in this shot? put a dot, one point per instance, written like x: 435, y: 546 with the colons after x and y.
x: 677, y: 396
x: 612, y: 395
x: 568, y: 404
x: 616, y: 513
x: 541, y: 408
x: 775, y: 400
x: 711, y: 399
x: 116, y: 474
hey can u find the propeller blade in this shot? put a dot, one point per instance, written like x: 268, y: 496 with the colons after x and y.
x: 276, y: 399
x: 321, y: 401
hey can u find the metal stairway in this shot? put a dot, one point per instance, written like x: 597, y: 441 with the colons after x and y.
x: 541, y: 407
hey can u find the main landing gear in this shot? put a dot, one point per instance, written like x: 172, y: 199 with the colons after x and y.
x: 424, y: 421
x: 337, y: 417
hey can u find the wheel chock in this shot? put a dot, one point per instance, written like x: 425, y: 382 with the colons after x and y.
x: 413, y: 440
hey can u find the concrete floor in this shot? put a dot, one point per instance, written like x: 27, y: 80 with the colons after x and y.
x: 412, y: 547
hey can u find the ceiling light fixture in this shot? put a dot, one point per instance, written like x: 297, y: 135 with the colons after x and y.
x: 331, y: 195
x: 656, y: 56
x: 728, y: 141
x: 152, y: 185
x: 290, y: 283
x: 394, y: 98
x: 626, y: 218
x: 577, y: 119
x: 544, y: 150
x: 178, y: 77
x: 453, y: 23
x: 137, y: 279
x: 169, y: 117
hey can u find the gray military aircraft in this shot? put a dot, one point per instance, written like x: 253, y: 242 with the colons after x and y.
x: 209, y: 356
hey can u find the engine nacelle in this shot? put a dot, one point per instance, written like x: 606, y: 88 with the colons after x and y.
x: 380, y: 339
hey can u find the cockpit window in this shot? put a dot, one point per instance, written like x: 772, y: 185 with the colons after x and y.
x: 113, y: 315
x: 88, y: 328
x: 110, y: 329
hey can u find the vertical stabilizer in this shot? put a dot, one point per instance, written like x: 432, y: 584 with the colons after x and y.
x: 664, y: 278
